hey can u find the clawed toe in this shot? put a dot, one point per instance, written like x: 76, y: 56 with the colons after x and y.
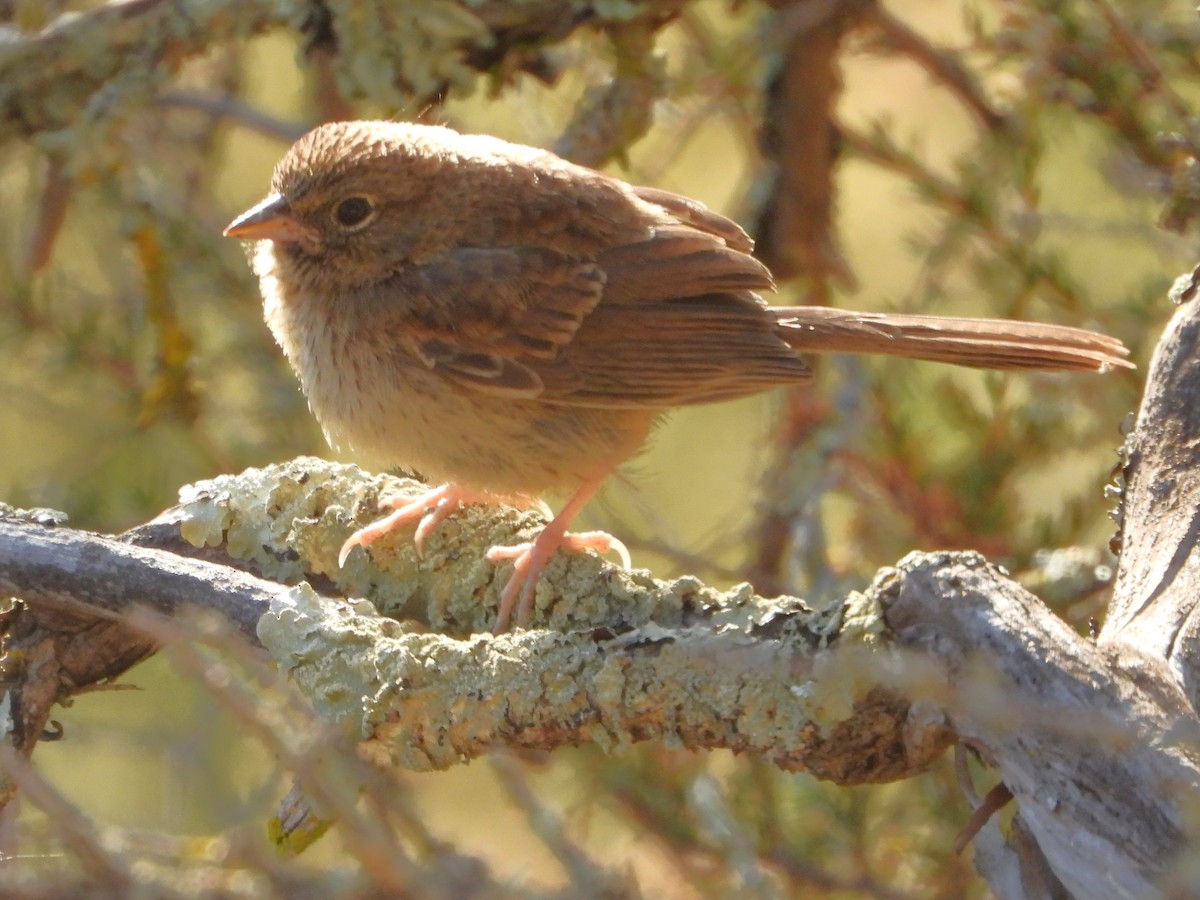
x: 432, y: 508
x: 530, y: 559
x: 429, y: 509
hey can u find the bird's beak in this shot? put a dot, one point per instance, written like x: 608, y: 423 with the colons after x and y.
x: 270, y: 220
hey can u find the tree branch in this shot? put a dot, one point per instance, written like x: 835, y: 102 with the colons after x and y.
x: 84, y: 65
x: 57, y: 569
x: 1154, y: 604
x: 619, y: 658
x: 1098, y: 762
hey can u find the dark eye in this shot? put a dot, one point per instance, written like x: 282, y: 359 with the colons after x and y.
x: 353, y: 211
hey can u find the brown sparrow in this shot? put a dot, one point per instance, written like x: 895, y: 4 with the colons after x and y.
x: 501, y: 320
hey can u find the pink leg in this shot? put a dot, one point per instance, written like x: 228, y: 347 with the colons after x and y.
x: 430, y: 508
x: 531, y: 559
x: 434, y: 506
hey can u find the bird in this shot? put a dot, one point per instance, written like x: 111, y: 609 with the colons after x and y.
x: 507, y: 324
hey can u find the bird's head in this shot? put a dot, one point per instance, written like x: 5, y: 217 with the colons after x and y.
x: 341, y: 201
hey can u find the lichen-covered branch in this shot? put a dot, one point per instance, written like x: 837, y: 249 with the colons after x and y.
x: 617, y: 657
x: 84, y: 67
x: 614, y: 656
x: 421, y: 701
x: 81, y: 64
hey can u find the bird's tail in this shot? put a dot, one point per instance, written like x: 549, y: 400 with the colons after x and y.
x: 978, y: 343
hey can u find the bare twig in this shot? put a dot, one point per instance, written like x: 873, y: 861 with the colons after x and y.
x: 943, y: 66
x: 230, y: 107
x: 588, y: 877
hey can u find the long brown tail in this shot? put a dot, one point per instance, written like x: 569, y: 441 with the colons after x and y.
x: 978, y: 343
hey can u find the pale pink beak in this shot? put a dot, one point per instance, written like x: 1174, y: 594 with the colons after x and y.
x: 270, y: 220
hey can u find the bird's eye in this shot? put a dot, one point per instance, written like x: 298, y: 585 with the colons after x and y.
x: 353, y: 212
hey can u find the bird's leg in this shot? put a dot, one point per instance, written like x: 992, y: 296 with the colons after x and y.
x: 430, y: 508
x: 531, y: 558
x: 434, y: 506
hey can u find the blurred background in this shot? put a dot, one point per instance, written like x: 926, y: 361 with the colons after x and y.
x: 1032, y: 160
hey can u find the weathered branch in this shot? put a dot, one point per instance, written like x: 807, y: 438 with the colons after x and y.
x: 1097, y: 760
x: 1097, y: 742
x: 1154, y: 605
x: 54, y: 568
x: 77, y: 587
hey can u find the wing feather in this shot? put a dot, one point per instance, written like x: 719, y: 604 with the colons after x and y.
x: 679, y: 322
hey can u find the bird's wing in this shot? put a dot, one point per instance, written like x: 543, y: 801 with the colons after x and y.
x: 698, y: 216
x: 675, y: 261
x: 676, y: 353
x: 679, y: 323
x: 484, y: 317
x: 664, y: 319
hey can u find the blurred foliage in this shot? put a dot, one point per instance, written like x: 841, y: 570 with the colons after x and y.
x: 1034, y: 159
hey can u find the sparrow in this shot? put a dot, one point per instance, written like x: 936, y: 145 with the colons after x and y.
x: 508, y: 324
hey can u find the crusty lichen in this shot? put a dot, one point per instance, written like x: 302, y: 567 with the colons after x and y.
x: 284, y: 518
x: 613, y: 656
x: 404, y: 49
x: 422, y: 701
x: 291, y: 519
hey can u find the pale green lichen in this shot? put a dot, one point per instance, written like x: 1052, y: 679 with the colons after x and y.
x: 37, y: 515
x: 330, y: 648
x: 861, y: 619
x: 679, y: 656
x: 420, y: 700
x: 290, y: 520
x: 404, y: 49
x: 269, y: 516
x: 208, y: 517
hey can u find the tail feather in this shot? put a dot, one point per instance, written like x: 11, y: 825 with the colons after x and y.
x: 977, y: 343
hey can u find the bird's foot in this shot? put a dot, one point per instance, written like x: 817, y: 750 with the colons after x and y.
x: 531, y: 558
x: 429, y: 509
